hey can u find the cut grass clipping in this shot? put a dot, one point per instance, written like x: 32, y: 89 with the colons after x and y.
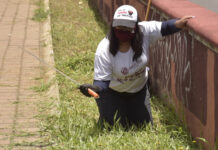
x: 77, y: 28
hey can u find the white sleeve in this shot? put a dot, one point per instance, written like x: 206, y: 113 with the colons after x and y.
x: 102, y: 69
x: 102, y: 64
x: 151, y: 29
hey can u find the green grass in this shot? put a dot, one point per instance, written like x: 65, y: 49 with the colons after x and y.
x: 42, y: 87
x: 40, y: 14
x: 76, y: 31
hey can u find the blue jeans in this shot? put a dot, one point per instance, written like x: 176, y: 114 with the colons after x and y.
x: 126, y: 108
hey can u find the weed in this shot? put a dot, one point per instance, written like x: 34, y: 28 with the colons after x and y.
x: 37, y: 78
x: 16, y: 102
x: 25, y: 134
x: 43, y: 87
x: 40, y: 14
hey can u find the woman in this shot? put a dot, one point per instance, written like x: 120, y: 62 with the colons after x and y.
x: 120, y: 70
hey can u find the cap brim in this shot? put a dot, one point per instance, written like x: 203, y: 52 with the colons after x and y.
x: 126, y: 23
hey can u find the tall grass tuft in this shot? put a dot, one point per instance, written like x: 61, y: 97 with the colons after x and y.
x: 40, y: 14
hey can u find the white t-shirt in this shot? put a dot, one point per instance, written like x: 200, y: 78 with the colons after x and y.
x: 126, y: 75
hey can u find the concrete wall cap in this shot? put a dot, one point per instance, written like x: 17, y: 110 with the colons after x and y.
x: 205, y: 22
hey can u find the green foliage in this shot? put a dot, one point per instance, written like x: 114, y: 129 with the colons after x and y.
x: 40, y: 14
x: 43, y: 87
x: 76, y: 31
x: 216, y: 144
x: 83, y: 62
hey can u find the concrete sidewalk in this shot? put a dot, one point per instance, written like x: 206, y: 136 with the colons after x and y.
x: 19, y: 72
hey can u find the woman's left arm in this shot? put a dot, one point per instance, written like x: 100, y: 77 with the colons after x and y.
x: 174, y: 25
x: 182, y: 23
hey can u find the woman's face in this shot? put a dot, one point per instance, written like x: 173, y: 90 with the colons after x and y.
x: 124, y: 34
x: 123, y: 28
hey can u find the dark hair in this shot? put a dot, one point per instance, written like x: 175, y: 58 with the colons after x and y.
x: 136, y: 42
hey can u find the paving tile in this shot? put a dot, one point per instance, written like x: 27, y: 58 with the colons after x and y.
x: 4, y: 140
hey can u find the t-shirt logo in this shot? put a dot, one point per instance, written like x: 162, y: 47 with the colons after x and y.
x: 124, y: 71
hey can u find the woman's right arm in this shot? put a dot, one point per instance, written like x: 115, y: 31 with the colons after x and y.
x: 103, y: 85
x: 102, y: 69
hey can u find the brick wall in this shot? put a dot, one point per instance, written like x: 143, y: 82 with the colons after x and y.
x: 183, y: 65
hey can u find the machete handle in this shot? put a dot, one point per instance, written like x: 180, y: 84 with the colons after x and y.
x: 93, y: 93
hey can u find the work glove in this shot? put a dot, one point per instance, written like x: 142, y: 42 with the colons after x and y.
x: 84, y: 89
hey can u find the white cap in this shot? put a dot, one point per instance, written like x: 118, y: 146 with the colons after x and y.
x: 125, y: 15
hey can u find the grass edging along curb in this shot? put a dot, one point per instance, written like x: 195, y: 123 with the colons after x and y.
x: 41, y: 13
x: 49, y: 84
x: 48, y: 55
x: 49, y: 87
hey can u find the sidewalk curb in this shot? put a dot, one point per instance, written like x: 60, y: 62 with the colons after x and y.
x: 48, y: 56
